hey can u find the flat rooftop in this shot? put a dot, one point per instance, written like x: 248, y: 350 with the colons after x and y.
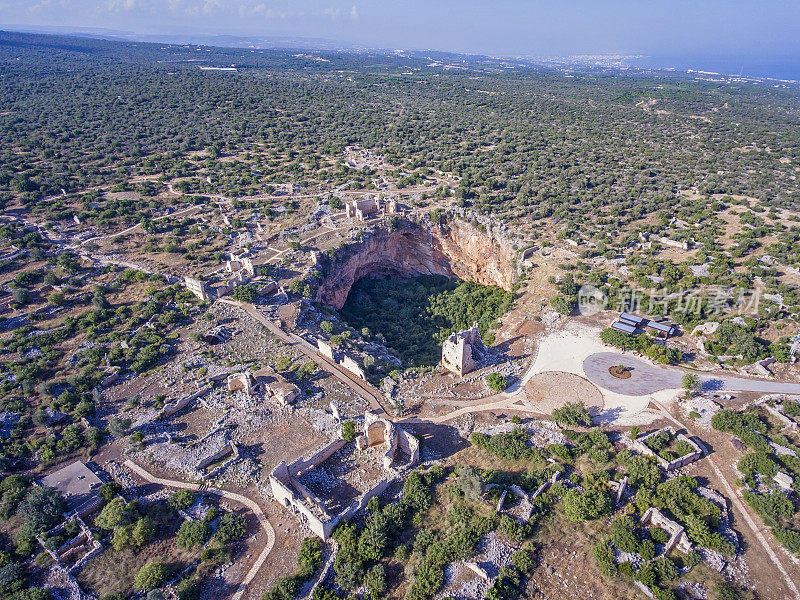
x: 76, y: 482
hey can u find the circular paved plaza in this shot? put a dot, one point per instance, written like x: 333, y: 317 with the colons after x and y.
x: 646, y: 379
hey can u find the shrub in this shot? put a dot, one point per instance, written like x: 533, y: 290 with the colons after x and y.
x: 245, y: 293
x: 188, y: 589
x: 647, y: 550
x: 625, y: 568
x: 496, y: 382
x: 663, y: 593
x: 665, y: 569
x: 151, y: 576
x: 789, y: 538
x: 691, y: 560
x: 757, y: 462
x: 604, y: 556
x: 193, y: 533
x: 586, y: 506
x: 375, y: 580
x: 658, y: 535
x: 349, y: 431
x: 691, y: 383
x: 622, y: 534
x: 572, y: 414
x: 725, y: 591
x: 232, y: 527
x: 469, y: 483
x: 513, y: 445
x: 41, y: 508
x: 181, y: 499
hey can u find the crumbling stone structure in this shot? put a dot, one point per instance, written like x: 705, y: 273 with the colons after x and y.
x: 340, y: 358
x: 461, y: 350
x: 640, y: 445
x: 362, y: 209
x: 677, y: 535
x: 368, y: 208
x: 198, y: 288
x: 264, y: 380
x: 382, y: 431
x: 401, y: 452
x: 217, y: 335
x: 240, y: 262
x: 194, y: 458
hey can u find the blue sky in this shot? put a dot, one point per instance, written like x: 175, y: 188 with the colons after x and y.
x: 499, y: 27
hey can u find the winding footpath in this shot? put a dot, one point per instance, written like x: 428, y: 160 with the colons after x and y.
x: 250, y: 504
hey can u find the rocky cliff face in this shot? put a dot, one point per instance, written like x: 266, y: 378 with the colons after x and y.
x: 452, y: 249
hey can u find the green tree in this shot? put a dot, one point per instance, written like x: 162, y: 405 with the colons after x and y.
x: 586, y: 506
x: 245, y: 293
x: 572, y: 414
x: 181, y: 499
x: 691, y: 383
x: 151, y: 576
x: 282, y: 363
x: 496, y: 382
x: 193, y: 533
x: 375, y: 580
x: 348, y: 431
x: 231, y: 528
x: 42, y: 508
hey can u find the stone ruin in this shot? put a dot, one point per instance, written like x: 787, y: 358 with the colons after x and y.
x: 241, y: 262
x: 217, y: 335
x: 367, y: 208
x: 215, y: 450
x: 462, y: 350
x: 382, y: 454
x: 640, y: 445
x: 340, y: 358
x: 267, y: 381
x: 677, y: 535
x: 198, y: 288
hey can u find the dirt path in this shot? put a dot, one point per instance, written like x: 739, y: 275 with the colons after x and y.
x: 362, y: 388
x: 137, y: 226
x: 262, y: 519
x: 741, y: 509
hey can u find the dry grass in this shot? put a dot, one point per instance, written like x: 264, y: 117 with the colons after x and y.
x: 112, y: 572
x: 566, y: 567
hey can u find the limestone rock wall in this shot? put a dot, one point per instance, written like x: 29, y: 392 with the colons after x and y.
x: 452, y: 249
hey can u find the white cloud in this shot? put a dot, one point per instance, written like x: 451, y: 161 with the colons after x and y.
x: 354, y: 12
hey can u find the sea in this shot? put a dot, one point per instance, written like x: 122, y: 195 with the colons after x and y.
x: 785, y: 68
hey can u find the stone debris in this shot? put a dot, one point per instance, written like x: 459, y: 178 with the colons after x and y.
x: 542, y: 433
x: 703, y: 406
x: 461, y: 581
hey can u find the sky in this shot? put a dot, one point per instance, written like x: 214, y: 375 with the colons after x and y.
x: 494, y: 27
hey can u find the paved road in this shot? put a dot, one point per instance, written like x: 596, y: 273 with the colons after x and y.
x: 262, y: 519
x: 646, y: 378
x: 360, y: 387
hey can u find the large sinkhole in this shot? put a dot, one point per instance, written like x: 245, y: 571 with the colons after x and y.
x: 412, y: 316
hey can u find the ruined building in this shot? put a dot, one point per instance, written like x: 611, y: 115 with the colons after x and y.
x: 338, y: 480
x: 198, y: 288
x: 368, y: 208
x: 264, y: 380
x: 461, y: 350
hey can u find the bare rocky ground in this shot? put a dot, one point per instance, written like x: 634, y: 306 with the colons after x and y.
x: 462, y: 583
